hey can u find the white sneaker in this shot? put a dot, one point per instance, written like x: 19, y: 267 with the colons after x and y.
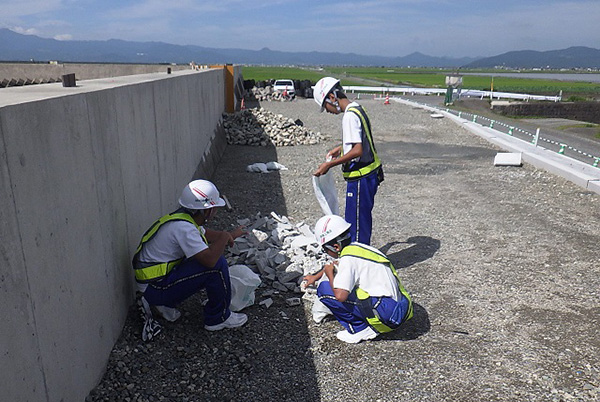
x: 363, y: 335
x: 235, y: 320
x: 168, y: 313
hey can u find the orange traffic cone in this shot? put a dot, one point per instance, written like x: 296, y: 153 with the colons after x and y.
x: 243, y: 105
x: 387, y: 100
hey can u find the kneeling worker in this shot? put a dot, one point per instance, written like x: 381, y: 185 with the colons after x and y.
x: 178, y: 256
x: 365, y: 294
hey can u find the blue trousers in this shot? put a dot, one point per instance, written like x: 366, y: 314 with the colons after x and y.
x: 360, y: 198
x: 188, y: 278
x: 351, y: 316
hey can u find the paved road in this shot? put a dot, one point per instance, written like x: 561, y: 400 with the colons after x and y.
x: 582, y: 143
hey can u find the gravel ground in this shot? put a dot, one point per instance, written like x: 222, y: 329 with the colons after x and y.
x: 502, y: 263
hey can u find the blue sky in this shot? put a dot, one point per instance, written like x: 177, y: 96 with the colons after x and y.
x: 384, y: 27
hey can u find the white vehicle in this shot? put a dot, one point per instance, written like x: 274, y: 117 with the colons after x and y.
x: 285, y: 86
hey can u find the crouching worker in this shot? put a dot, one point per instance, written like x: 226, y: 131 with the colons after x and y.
x: 178, y: 256
x: 362, y: 289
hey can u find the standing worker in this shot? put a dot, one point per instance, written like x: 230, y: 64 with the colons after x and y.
x: 361, y: 288
x: 178, y: 256
x: 361, y: 166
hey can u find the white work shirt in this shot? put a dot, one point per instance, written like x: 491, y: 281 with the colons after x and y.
x: 351, y: 129
x: 375, y: 278
x: 174, y: 240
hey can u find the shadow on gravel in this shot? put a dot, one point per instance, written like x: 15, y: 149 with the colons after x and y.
x: 417, y: 326
x: 268, y: 359
x: 421, y: 249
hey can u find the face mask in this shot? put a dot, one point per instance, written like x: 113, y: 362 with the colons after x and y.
x: 336, y: 104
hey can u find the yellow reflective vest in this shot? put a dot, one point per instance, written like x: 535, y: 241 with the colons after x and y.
x: 369, y: 161
x: 152, y: 271
x: 358, y: 251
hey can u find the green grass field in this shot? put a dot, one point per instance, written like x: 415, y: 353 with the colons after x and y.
x: 426, y: 78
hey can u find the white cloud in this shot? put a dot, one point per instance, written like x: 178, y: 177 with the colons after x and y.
x: 63, y: 37
x: 25, y: 31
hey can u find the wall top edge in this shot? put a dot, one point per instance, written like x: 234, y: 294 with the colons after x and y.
x: 32, y: 93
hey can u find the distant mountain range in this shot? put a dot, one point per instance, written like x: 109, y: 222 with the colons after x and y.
x: 573, y: 57
x: 18, y: 47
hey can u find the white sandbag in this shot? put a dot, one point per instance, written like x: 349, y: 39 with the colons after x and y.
x: 320, y: 311
x: 275, y: 166
x: 257, y: 168
x: 268, y: 167
x: 243, y: 284
x: 326, y: 193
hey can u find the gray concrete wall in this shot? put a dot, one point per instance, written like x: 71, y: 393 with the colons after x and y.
x: 84, y: 171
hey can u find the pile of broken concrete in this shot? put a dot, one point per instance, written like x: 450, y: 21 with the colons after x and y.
x: 268, y: 94
x: 279, y: 251
x: 259, y: 127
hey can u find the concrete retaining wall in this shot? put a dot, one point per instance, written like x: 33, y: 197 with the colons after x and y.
x: 84, y: 171
x: 582, y: 111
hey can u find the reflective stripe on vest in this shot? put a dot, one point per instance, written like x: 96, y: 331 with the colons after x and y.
x: 148, y: 272
x: 369, y: 162
x: 358, y: 251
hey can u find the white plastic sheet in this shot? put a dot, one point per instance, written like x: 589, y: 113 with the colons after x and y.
x: 243, y: 284
x: 326, y: 193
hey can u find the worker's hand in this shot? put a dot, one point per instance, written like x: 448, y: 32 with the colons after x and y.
x: 238, y: 232
x: 228, y: 238
x: 310, y: 279
x: 334, y: 153
x: 323, y: 168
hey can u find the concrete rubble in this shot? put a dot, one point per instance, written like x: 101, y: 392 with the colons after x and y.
x: 268, y: 94
x: 259, y: 127
x: 281, y: 252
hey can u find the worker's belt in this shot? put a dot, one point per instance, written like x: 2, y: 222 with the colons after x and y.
x: 358, y: 170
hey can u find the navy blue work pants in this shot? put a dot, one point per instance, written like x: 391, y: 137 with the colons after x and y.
x: 188, y: 278
x: 360, y: 198
x: 351, y: 316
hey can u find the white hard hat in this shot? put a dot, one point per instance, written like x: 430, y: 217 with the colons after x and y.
x: 200, y: 194
x: 329, y: 228
x: 322, y: 88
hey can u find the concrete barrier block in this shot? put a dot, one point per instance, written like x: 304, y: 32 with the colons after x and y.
x: 508, y: 159
x: 594, y: 185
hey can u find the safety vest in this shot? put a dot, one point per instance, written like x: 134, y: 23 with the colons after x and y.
x: 152, y: 271
x: 369, y: 160
x: 359, y: 251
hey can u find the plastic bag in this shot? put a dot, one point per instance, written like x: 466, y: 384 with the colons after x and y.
x: 243, y: 284
x: 320, y: 311
x: 326, y: 193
